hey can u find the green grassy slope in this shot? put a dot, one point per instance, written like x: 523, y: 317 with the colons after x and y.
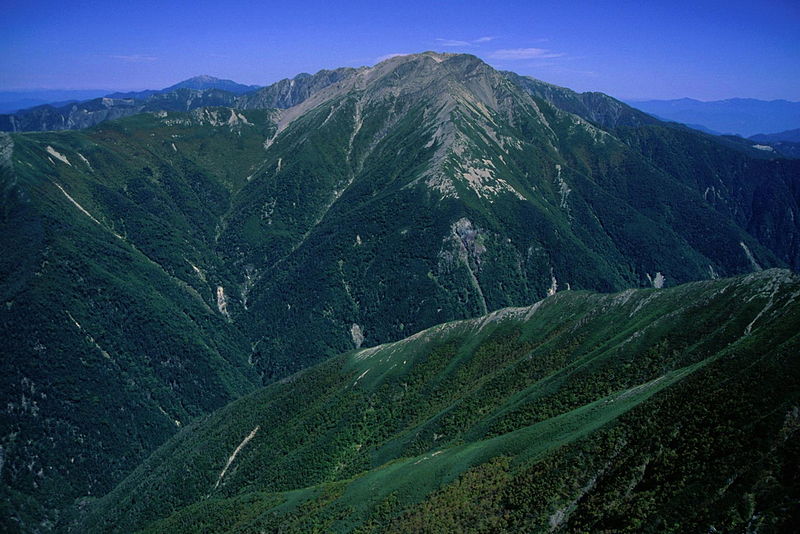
x: 673, y: 409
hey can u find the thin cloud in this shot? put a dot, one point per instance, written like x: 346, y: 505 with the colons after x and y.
x: 453, y: 42
x: 457, y: 43
x: 134, y: 58
x: 514, y: 54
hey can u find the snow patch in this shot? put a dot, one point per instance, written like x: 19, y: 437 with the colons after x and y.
x: 765, y: 148
x: 6, y: 150
x: 86, y: 161
x: 770, y: 303
x: 656, y: 281
x: 563, y: 189
x: 58, y: 155
x: 222, y: 302
x: 232, y: 457
x: 362, y: 375
x: 357, y: 335
x: 501, y: 314
x: 163, y: 411
x: 200, y: 274
x: 553, y: 285
x: 750, y: 257
x: 83, y: 210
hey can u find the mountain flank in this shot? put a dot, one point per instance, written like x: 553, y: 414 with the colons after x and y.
x: 156, y: 267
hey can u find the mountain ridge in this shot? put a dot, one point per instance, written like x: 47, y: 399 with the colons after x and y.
x: 392, y: 462
x: 385, y: 200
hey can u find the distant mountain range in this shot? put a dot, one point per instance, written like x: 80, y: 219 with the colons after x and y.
x: 80, y: 113
x: 739, y: 116
x: 197, y: 92
x: 197, y: 83
x: 11, y: 101
x: 789, y: 136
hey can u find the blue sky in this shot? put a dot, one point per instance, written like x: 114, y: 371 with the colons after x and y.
x: 700, y: 49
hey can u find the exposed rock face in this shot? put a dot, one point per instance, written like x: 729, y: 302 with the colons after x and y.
x: 290, y: 92
x: 595, y: 107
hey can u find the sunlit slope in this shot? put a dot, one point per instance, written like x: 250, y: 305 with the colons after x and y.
x: 670, y: 409
x: 431, y: 187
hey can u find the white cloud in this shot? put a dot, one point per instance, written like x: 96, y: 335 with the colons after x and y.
x: 389, y: 56
x: 453, y: 42
x: 457, y: 43
x: 524, y: 53
x: 134, y: 58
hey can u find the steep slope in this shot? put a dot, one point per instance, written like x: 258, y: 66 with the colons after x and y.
x: 596, y: 108
x: 292, y: 91
x: 673, y: 409
x: 431, y: 187
x: 111, y: 318
x: 727, y: 171
x: 178, y: 259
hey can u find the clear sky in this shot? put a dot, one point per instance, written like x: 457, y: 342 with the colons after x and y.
x: 636, y: 50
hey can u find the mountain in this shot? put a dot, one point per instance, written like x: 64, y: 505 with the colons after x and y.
x: 155, y: 267
x: 197, y: 83
x: 741, y: 116
x: 11, y: 101
x: 672, y: 409
x: 203, y: 82
x: 91, y: 112
x: 114, y: 335
x: 290, y: 92
x: 789, y: 136
x: 193, y: 93
x: 200, y: 91
x: 596, y: 108
x: 785, y: 143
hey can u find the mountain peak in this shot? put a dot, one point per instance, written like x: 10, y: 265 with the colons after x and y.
x: 204, y: 81
x: 436, y: 56
x: 202, y: 78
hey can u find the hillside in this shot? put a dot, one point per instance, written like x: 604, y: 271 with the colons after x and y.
x: 113, y: 337
x: 655, y: 410
x: 156, y: 267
